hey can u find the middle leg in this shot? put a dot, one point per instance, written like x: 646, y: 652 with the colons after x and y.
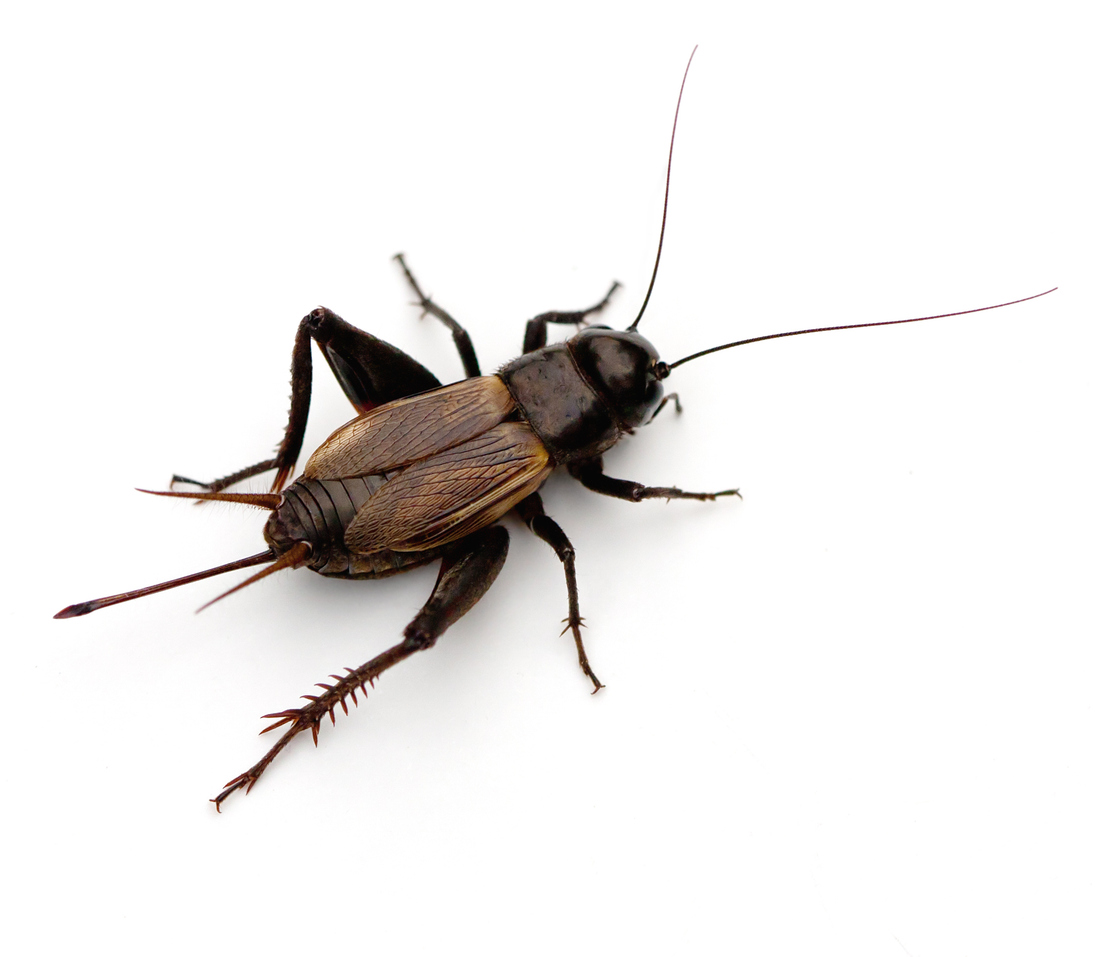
x: 459, y: 333
x: 531, y: 511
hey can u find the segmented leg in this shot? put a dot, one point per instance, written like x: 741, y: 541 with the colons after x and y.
x: 531, y: 511
x: 675, y: 399
x: 370, y: 371
x: 536, y: 328
x: 467, y: 571
x: 459, y: 334
x: 672, y: 397
x: 591, y: 475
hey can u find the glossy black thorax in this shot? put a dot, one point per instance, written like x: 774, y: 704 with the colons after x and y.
x: 583, y: 395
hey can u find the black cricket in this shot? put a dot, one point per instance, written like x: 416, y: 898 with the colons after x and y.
x: 425, y: 471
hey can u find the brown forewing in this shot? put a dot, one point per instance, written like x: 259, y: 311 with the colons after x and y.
x: 411, y: 429
x: 453, y: 493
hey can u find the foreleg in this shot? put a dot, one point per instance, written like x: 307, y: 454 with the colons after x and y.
x: 536, y: 328
x: 591, y: 474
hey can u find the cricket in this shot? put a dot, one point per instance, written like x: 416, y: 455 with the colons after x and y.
x: 424, y: 472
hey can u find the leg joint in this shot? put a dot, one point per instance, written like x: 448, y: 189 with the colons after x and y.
x: 315, y: 320
x: 420, y: 636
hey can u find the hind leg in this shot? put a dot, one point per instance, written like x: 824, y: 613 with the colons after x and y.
x: 370, y: 371
x: 467, y: 571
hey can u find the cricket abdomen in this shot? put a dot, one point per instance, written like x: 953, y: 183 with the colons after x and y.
x: 318, y: 511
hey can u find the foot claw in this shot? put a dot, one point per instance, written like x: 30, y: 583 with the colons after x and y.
x: 310, y: 716
x: 234, y: 785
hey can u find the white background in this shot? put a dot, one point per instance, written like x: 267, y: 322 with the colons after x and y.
x: 850, y: 714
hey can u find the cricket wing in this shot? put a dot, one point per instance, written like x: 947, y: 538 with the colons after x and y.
x: 411, y: 429
x: 452, y: 494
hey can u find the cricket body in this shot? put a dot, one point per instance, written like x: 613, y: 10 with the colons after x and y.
x: 425, y: 471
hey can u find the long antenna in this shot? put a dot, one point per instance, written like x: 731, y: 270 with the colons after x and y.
x: 665, y: 204
x: 858, y: 325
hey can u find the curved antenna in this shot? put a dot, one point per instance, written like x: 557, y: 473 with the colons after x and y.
x: 858, y: 325
x: 665, y: 204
